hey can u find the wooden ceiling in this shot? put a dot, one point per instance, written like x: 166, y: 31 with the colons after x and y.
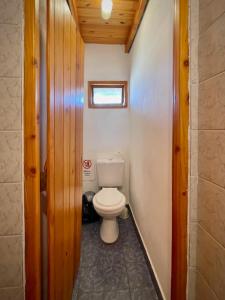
x: 121, y: 28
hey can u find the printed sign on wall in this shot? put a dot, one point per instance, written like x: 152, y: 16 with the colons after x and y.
x: 88, y: 169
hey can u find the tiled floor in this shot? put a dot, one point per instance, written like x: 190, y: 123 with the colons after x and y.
x: 113, y: 272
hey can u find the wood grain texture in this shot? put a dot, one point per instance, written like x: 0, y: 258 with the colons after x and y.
x: 94, y: 29
x: 64, y: 172
x: 79, y: 146
x: 180, y: 152
x: 136, y: 23
x: 74, y: 12
x: 31, y: 151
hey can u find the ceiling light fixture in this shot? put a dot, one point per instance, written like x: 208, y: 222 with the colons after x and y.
x: 106, y: 7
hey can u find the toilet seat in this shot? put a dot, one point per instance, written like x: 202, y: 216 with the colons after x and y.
x: 109, y: 199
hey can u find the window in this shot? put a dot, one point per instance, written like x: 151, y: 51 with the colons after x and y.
x: 107, y: 94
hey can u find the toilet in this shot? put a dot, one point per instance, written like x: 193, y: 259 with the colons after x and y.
x: 109, y: 202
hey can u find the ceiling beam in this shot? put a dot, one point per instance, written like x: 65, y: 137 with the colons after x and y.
x: 136, y: 23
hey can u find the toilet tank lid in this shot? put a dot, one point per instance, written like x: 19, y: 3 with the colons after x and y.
x: 110, y: 160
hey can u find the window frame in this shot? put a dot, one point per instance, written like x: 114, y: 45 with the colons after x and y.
x: 107, y: 84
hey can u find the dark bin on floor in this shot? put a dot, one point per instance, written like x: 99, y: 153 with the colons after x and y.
x: 89, y: 215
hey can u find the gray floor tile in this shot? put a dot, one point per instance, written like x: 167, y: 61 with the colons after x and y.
x: 117, y: 295
x: 90, y: 254
x: 91, y: 279
x: 90, y: 296
x: 116, y: 277
x: 134, y: 253
x: 109, y: 256
x: 113, y: 272
x: 143, y: 294
x: 138, y: 275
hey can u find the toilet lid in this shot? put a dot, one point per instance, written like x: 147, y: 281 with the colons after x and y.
x: 109, y: 197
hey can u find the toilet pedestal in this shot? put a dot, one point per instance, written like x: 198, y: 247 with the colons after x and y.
x: 109, y: 230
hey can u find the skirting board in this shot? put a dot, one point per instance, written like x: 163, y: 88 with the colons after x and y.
x: 150, y: 265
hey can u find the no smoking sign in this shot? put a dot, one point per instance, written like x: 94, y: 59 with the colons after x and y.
x: 87, y: 164
x: 88, y: 170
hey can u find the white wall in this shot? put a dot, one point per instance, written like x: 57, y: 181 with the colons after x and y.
x: 105, y: 130
x: 151, y: 135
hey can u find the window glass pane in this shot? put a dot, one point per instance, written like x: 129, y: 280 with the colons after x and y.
x: 108, y: 95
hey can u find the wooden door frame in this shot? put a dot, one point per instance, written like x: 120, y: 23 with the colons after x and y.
x: 32, y: 151
x: 180, y: 151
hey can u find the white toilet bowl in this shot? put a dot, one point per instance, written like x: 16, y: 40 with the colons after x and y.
x: 109, y: 203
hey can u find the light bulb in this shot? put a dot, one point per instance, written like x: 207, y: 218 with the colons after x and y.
x: 106, y: 9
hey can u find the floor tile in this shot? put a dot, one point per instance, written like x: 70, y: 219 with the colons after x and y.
x: 90, y: 296
x: 143, y: 294
x: 92, y: 279
x: 133, y: 254
x: 138, y: 275
x: 116, y: 277
x: 117, y: 295
x: 113, y: 271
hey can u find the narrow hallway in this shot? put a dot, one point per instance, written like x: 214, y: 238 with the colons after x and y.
x: 118, y: 271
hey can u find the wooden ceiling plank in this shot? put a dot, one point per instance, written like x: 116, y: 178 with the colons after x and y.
x: 108, y: 41
x: 105, y: 35
x: 90, y: 12
x: 110, y: 22
x: 122, y: 26
x: 117, y: 4
x: 102, y: 28
x: 137, y: 20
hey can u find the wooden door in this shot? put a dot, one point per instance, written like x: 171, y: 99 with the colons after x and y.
x: 64, y: 177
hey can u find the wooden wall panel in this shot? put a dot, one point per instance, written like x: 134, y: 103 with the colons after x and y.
x: 64, y: 188
x: 79, y: 138
x: 32, y: 151
x: 180, y: 151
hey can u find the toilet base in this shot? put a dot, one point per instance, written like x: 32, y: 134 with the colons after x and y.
x: 109, y: 230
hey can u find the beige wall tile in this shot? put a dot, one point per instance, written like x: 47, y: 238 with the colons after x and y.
x: 193, y: 198
x: 193, y: 43
x: 193, y: 244
x: 212, y: 50
x: 10, y: 156
x: 11, y: 210
x: 194, y: 61
x: 212, y: 103
x: 10, y: 104
x: 212, y: 156
x: 203, y: 290
x: 194, y: 106
x: 10, y: 50
x: 191, y: 295
x: 11, y: 206
x: 211, y: 209
x: 11, y: 261
x: 10, y: 12
x: 211, y: 262
x: 12, y: 294
x: 194, y: 153
x: 209, y: 12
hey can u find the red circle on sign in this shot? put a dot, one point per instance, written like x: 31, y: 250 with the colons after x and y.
x: 87, y: 164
